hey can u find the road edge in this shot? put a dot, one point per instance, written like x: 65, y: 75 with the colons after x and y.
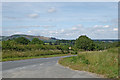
x: 97, y: 75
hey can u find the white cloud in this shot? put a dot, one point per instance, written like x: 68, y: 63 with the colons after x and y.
x: 62, y: 30
x: 29, y: 31
x: 95, y: 32
x: 97, y: 26
x: 18, y: 33
x: 51, y: 10
x: 115, y: 29
x: 77, y: 27
x: 106, y: 26
x: 101, y: 26
x: 33, y: 15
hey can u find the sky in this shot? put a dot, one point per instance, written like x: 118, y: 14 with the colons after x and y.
x: 62, y: 20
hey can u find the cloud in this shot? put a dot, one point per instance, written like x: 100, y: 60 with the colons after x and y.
x: 77, y: 27
x: 18, y: 33
x: 33, y: 15
x: 101, y: 26
x: 95, y: 32
x: 106, y: 26
x: 115, y: 29
x: 51, y: 10
x: 62, y: 30
x: 29, y: 31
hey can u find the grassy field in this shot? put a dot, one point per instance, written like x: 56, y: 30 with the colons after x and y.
x: 100, y: 62
x: 8, y: 55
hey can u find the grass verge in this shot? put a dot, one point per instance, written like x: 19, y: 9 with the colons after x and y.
x: 23, y: 58
x: 100, y: 62
x: 8, y: 55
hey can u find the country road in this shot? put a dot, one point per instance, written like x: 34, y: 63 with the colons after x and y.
x: 41, y: 68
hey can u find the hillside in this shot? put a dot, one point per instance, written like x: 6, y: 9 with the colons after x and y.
x: 30, y: 37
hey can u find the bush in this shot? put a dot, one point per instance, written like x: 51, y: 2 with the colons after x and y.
x: 9, y: 44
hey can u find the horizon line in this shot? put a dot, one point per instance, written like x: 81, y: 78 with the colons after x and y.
x: 63, y: 38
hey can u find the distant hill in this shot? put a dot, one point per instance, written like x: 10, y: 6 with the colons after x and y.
x: 30, y: 37
x: 46, y: 39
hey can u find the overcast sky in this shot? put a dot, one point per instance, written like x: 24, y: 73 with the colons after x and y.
x: 62, y: 20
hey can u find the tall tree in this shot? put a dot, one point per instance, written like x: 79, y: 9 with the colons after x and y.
x: 83, y: 42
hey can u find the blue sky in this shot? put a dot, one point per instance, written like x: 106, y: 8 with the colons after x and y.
x: 63, y: 20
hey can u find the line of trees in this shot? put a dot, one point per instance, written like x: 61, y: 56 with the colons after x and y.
x: 24, y: 41
x: 24, y: 44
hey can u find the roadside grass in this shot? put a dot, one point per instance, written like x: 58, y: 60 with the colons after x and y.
x: 8, y: 55
x: 100, y: 62
x: 23, y: 58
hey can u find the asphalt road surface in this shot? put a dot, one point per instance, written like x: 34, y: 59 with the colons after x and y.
x: 41, y: 68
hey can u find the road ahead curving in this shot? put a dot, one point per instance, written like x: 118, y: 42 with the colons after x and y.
x: 41, y: 68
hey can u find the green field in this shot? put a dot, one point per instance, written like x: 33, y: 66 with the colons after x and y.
x: 100, y: 62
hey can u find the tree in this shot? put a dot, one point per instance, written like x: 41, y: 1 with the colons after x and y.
x: 22, y: 40
x: 83, y: 42
x: 36, y: 41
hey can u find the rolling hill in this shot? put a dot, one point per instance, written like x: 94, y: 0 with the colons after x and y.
x: 47, y: 39
x: 30, y: 37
